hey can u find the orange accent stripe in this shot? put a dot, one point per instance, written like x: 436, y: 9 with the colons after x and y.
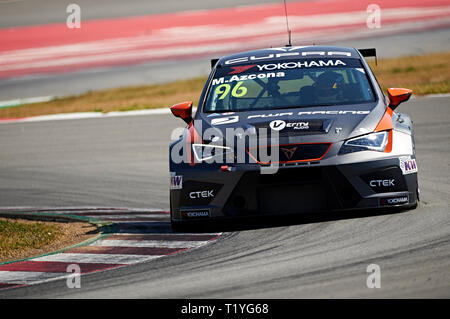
x: 385, y: 122
x: 388, y: 148
x: 193, y: 137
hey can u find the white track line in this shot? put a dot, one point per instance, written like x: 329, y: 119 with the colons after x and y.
x: 86, y: 115
x: 176, y: 235
x: 29, y: 277
x: 149, y: 243
x: 98, y: 258
x: 29, y: 100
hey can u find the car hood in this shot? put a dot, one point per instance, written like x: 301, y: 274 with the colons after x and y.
x: 297, y: 125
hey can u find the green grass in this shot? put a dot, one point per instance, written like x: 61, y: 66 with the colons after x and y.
x: 16, y: 235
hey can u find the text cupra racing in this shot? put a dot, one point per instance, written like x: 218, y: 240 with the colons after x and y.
x: 292, y: 130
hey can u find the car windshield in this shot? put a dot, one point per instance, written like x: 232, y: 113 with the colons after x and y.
x: 284, y: 84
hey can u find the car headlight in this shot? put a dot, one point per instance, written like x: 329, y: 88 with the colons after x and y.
x: 370, y: 142
x: 211, y: 153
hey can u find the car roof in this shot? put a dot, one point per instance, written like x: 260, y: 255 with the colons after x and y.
x: 289, y: 52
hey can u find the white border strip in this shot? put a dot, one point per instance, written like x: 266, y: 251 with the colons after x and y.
x: 18, y: 102
x: 85, y: 115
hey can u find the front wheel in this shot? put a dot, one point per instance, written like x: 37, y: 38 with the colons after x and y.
x: 179, y: 227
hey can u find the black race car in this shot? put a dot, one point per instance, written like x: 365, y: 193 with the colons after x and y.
x: 292, y: 130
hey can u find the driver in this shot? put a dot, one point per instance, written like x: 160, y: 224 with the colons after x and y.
x: 329, y: 87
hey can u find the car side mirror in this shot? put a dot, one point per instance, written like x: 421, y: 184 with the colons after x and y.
x: 397, y: 96
x: 183, y: 110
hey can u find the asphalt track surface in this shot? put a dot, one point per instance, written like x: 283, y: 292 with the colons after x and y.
x: 123, y: 162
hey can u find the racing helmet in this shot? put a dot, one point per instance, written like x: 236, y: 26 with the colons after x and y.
x: 329, y: 87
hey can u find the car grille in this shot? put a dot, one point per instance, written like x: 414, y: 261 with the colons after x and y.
x: 289, y: 153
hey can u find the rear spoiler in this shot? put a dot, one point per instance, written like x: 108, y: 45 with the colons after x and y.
x: 213, y: 63
x: 372, y: 52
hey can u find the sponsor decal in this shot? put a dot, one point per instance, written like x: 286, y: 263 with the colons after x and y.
x: 225, y: 120
x: 298, y: 125
x: 176, y: 182
x: 385, y: 180
x: 198, y: 213
x: 240, y: 69
x: 277, y: 125
x: 201, y: 194
x: 393, y: 201
x: 352, y: 112
x: 306, y: 127
x: 382, y: 183
x: 288, y: 52
x: 331, y: 112
x: 407, y: 165
x: 299, y: 64
x: 270, y: 115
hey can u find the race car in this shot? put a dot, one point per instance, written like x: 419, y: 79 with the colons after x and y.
x: 292, y: 130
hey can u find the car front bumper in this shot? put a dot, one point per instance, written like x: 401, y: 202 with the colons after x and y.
x: 210, y: 193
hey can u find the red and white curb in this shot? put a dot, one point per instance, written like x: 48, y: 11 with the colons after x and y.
x: 140, y: 235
